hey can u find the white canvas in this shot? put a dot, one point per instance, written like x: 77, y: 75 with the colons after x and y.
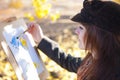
x: 23, y: 50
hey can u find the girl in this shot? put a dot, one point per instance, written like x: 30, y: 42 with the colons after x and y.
x: 99, y: 35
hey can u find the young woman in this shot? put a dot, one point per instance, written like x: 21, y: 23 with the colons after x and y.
x: 98, y: 34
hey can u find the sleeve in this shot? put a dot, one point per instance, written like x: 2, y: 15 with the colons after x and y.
x: 51, y: 49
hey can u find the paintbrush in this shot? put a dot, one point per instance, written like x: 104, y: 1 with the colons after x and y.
x: 21, y: 34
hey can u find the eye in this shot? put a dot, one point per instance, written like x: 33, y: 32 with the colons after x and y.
x: 81, y: 28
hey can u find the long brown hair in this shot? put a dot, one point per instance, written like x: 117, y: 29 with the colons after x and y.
x: 107, y: 50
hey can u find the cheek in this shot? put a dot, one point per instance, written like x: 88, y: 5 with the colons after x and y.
x: 81, y: 40
x: 81, y: 36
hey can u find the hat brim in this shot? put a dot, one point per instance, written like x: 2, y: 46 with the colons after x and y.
x: 76, y: 18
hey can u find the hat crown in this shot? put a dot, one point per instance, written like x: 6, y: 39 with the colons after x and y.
x: 94, y: 3
x: 103, y: 14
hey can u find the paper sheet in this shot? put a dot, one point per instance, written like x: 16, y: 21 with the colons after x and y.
x: 23, y: 51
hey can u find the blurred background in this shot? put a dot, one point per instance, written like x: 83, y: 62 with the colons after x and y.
x: 54, y: 18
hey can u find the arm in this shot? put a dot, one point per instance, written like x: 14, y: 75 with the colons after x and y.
x: 51, y: 49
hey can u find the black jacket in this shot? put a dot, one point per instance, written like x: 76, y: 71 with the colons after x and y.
x: 52, y: 50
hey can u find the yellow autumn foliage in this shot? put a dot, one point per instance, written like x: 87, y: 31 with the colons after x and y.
x: 117, y: 1
x: 42, y: 10
x: 16, y: 4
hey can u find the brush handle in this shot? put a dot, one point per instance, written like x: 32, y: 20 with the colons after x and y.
x: 22, y: 33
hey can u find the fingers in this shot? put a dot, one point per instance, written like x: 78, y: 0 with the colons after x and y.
x: 35, y: 30
x: 30, y: 23
x: 32, y: 26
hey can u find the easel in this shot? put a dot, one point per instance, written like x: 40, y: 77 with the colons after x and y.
x: 11, y: 57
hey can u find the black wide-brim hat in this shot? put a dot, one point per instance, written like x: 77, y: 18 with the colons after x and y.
x: 103, y: 14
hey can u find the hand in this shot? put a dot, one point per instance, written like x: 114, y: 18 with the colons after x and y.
x: 36, y: 32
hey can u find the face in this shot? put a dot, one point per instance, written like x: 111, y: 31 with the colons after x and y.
x: 80, y: 31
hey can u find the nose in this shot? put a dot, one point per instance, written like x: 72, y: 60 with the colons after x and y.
x: 77, y: 31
